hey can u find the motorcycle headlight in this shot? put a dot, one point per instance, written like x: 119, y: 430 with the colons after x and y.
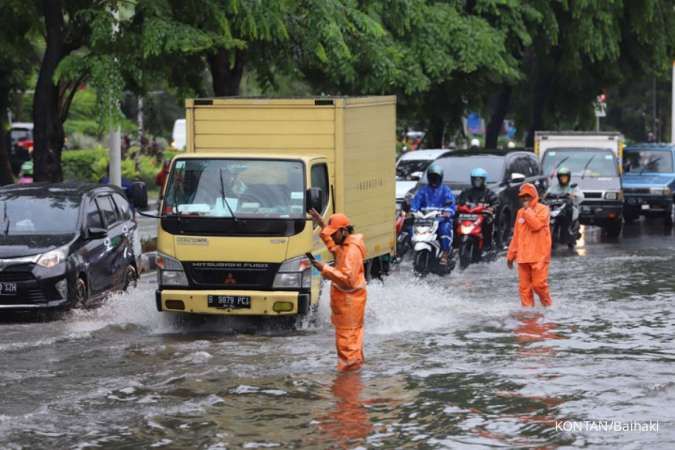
x: 294, y: 273
x: 171, y: 272
x: 467, y: 229
x: 52, y: 258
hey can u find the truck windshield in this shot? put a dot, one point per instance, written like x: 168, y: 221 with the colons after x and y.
x: 640, y: 161
x: 221, y: 188
x: 582, y: 162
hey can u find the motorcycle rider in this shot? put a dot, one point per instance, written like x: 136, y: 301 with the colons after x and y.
x: 435, y: 194
x: 563, y: 189
x: 479, y: 193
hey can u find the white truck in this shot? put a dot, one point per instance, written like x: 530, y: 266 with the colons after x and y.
x: 595, y: 161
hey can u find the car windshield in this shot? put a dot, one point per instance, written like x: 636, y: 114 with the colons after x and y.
x: 641, y: 161
x: 582, y: 162
x: 407, y: 167
x: 32, y: 215
x: 224, y: 188
x: 457, y: 171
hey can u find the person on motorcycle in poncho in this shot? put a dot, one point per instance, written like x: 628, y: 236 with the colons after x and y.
x: 435, y: 194
x: 477, y: 194
x: 563, y: 189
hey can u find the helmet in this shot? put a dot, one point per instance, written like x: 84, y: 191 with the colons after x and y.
x: 27, y: 169
x: 478, y: 177
x: 564, y: 173
x: 435, y: 175
x: 475, y: 142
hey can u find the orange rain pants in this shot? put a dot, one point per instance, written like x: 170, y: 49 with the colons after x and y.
x: 531, y: 249
x: 347, y: 299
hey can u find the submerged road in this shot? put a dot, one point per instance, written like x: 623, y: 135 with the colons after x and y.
x: 451, y: 362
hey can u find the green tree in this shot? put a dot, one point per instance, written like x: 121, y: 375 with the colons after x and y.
x: 16, y: 54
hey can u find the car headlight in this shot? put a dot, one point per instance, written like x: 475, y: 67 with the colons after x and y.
x: 294, y: 273
x: 52, y: 258
x: 171, y: 272
x: 613, y: 195
x: 666, y: 192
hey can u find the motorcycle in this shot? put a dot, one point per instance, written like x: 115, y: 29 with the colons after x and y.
x: 470, y: 233
x: 560, y: 207
x: 426, y: 245
x: 403, y: 237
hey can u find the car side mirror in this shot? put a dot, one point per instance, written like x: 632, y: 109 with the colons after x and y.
x: 96, y: 233
x: 517, y: 178
x: 415, y: 176
x: 314, y: 199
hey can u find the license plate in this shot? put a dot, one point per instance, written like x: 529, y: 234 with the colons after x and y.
x: 645, y: 206
x: 7, y: 288
x: 229, y: 301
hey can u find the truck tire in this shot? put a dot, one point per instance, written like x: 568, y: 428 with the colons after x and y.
x: 669, y: 217
x: 613, y: 229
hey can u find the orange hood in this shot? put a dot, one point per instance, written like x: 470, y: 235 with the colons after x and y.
x: 357, y: 240
x: 529, y: 189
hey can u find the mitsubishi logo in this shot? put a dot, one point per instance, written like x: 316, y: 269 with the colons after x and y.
x: 230, y: 280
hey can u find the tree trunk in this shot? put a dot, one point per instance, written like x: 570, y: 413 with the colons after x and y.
x: 501, y: 109
x: 48, y: 134
x: 6, y: 176
x: 226, y: 78
x: 540, y: 100
x: 434, y: 137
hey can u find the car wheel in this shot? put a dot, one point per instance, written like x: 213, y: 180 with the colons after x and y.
x: 505, y: 225
x: 81, y: 294
x: 130, y: 277
x: 613, y: 229
x: 670, y: 216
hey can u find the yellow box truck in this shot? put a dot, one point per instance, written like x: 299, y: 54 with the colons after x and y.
x: 234, y: 227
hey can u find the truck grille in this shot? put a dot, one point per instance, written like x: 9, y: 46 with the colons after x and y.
x: 636, y: 191
x: 231, y: 275
x: 592, y: 194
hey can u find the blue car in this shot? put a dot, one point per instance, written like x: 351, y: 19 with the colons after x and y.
x: 649, y: 181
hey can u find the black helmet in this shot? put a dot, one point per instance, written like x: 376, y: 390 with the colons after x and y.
x: 565, y: 173
x: 435, y: 175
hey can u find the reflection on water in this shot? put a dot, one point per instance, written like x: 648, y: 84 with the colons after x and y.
x: 453, y: 363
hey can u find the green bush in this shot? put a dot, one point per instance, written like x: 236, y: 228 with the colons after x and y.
x: 84, y: 165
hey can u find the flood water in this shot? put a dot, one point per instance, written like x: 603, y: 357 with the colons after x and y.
x: 451, y: 363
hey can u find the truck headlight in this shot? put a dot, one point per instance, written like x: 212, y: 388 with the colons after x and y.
x: 613, y: 195
x: 171, y: 272
x: 52, y: 258
x: 294, y: 273
x: 666, y: 192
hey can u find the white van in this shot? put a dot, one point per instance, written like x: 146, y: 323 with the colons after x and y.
x: 178, y: 135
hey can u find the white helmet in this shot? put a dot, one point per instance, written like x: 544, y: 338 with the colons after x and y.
x: 475, y: 142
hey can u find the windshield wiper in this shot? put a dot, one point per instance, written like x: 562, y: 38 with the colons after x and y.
x: 222, y: 192
x: 561, y: 162
x: 651, y: 161
x: 583, y: 172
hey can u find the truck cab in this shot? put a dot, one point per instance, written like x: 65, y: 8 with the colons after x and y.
x: 649, y: 181
x: 595, y: 162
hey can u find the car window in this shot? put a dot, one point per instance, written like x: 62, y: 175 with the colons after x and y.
x: 108, y: 210
x: 123, y: 207
x: 320, y: 180
x: 93, y: 215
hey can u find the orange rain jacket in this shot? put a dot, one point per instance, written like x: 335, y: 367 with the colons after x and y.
x: 531, y: 241
x: 347, y: 298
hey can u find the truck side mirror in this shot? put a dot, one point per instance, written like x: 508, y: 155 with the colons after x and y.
x: 315, y: 199
x: 517, y: 178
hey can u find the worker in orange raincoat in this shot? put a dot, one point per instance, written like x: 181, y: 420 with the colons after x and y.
x: 531, y: 247
x: 348, y: 290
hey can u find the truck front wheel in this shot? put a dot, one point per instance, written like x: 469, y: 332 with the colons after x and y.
x: 613, y: 229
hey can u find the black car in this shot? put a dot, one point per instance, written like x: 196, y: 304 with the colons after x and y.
x: 507, y: 171
x: 64, y: 244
